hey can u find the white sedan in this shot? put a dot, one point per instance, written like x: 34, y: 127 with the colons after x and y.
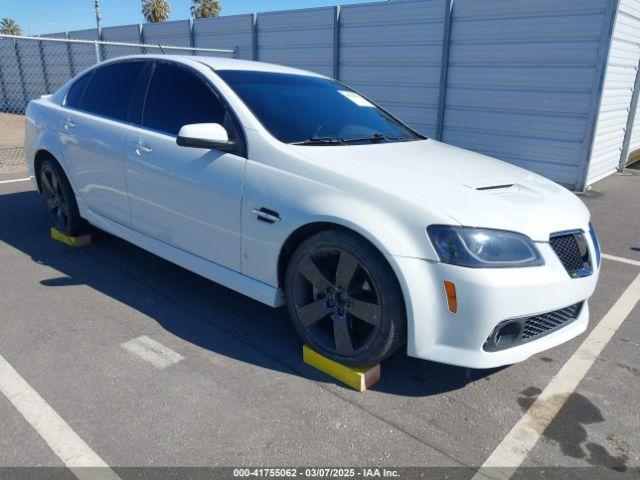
x: 291, y: 188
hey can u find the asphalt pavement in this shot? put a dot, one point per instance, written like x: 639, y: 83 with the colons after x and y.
x: 236, y: 392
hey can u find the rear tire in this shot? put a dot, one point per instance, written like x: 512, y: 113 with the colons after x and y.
x: 59, y: 198
x: 344, y: 299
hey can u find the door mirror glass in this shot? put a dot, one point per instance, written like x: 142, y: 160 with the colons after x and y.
x: 212, y: 136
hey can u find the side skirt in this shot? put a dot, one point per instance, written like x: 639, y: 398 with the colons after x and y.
x: 243, y: 284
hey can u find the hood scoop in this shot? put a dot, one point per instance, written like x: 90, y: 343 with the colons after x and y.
x: 494, y: 186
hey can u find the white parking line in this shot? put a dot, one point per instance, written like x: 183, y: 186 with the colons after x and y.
x: 16, y: 180
x: 153, y: 352
x: 523, y: 436
x: 64, y: 442
x: 621, y: 259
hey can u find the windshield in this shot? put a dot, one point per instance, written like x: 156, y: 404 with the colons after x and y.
x: 313, y: 110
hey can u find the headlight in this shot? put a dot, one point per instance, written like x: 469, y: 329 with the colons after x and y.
x: 483, y: 247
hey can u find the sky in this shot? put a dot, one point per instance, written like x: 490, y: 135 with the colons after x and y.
x: 52, y: 16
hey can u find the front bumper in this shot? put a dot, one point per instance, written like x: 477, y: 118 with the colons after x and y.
x: 487, y: 297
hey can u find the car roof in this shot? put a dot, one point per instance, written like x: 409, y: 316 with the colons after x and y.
x: 222, y: 63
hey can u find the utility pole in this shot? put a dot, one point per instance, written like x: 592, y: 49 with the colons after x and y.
x: 96, y: 5
x: 98, y: 18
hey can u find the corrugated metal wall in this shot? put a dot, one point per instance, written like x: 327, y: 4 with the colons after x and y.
x: 11, y: 77
x: 392, y: 52
x: 524, y: 78
x: 523, y: 81
x: 298, y: 38
x: 82, y: 55
x: 225, y: 32
x: 176, y: 33
x: 618, y: 88
x: 56, y: 63
x: 122, y: 33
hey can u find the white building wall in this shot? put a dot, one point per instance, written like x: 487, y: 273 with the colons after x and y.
x: 634, y: 145
x: 620, y: 76
x: 631, y: 10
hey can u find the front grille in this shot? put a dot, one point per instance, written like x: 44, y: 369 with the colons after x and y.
x: 571, y: 248
x: 517, y: 331
x: 548, y: 322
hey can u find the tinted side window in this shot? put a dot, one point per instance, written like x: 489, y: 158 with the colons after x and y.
x: 177, y: 97
x: 74, y: 95
x: 111, y: 88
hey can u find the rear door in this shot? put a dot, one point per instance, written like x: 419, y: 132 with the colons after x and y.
x: 93, y: 132
x: 187, y: 197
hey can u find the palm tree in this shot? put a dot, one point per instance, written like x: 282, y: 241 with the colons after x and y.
x: 10, y: 27
x: 206, y: 8
x: 155, y: 11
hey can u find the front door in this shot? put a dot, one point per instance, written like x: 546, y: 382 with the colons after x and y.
x: 187, y: 197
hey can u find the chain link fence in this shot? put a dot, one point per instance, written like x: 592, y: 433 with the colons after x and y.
x: 34, y: 66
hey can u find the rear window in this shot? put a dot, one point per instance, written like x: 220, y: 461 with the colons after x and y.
x: 111, y: 89
x: 74, y: 95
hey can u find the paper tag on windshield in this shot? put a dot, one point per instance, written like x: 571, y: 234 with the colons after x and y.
x: 357, y: 99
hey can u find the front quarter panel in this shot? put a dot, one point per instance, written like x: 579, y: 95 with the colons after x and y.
x: 303, y: 193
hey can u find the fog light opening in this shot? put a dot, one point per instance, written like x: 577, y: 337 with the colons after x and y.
x: 507, y: 334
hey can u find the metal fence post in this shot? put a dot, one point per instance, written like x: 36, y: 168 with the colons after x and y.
x: 141, y: 36
x: 624, y: 155
x: 72, y: 66
x: 4, y: 96
x: 192, y: 36
x: 254, y: 37
x: 336, y: 42
x: 98, y: 55
x: 45, y: 73
x: 20, y: 73
x: 444, y: 68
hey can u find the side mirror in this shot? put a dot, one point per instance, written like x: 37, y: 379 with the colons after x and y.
x: 212, y: 136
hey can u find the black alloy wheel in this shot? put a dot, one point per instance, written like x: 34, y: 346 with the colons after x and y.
x: 344, y: 299
x: 59, y: 198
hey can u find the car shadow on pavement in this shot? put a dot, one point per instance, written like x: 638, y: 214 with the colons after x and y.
x: 194, y: 308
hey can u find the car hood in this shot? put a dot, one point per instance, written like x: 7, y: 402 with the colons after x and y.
x: 457, y: 186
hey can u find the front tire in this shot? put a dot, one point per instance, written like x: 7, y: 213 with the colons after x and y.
x: 344, y: 299
x: 59, y: 198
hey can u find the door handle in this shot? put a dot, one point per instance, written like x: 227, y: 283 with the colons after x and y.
x: 266, y: 215
x: 142, y: 149
x: 69, y: 124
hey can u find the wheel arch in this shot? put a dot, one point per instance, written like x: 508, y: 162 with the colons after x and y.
x: 305, y: 231
x: 40, y: 156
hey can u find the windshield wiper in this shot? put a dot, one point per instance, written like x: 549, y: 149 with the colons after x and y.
x: 376, y: 137
x: 319, y: 141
